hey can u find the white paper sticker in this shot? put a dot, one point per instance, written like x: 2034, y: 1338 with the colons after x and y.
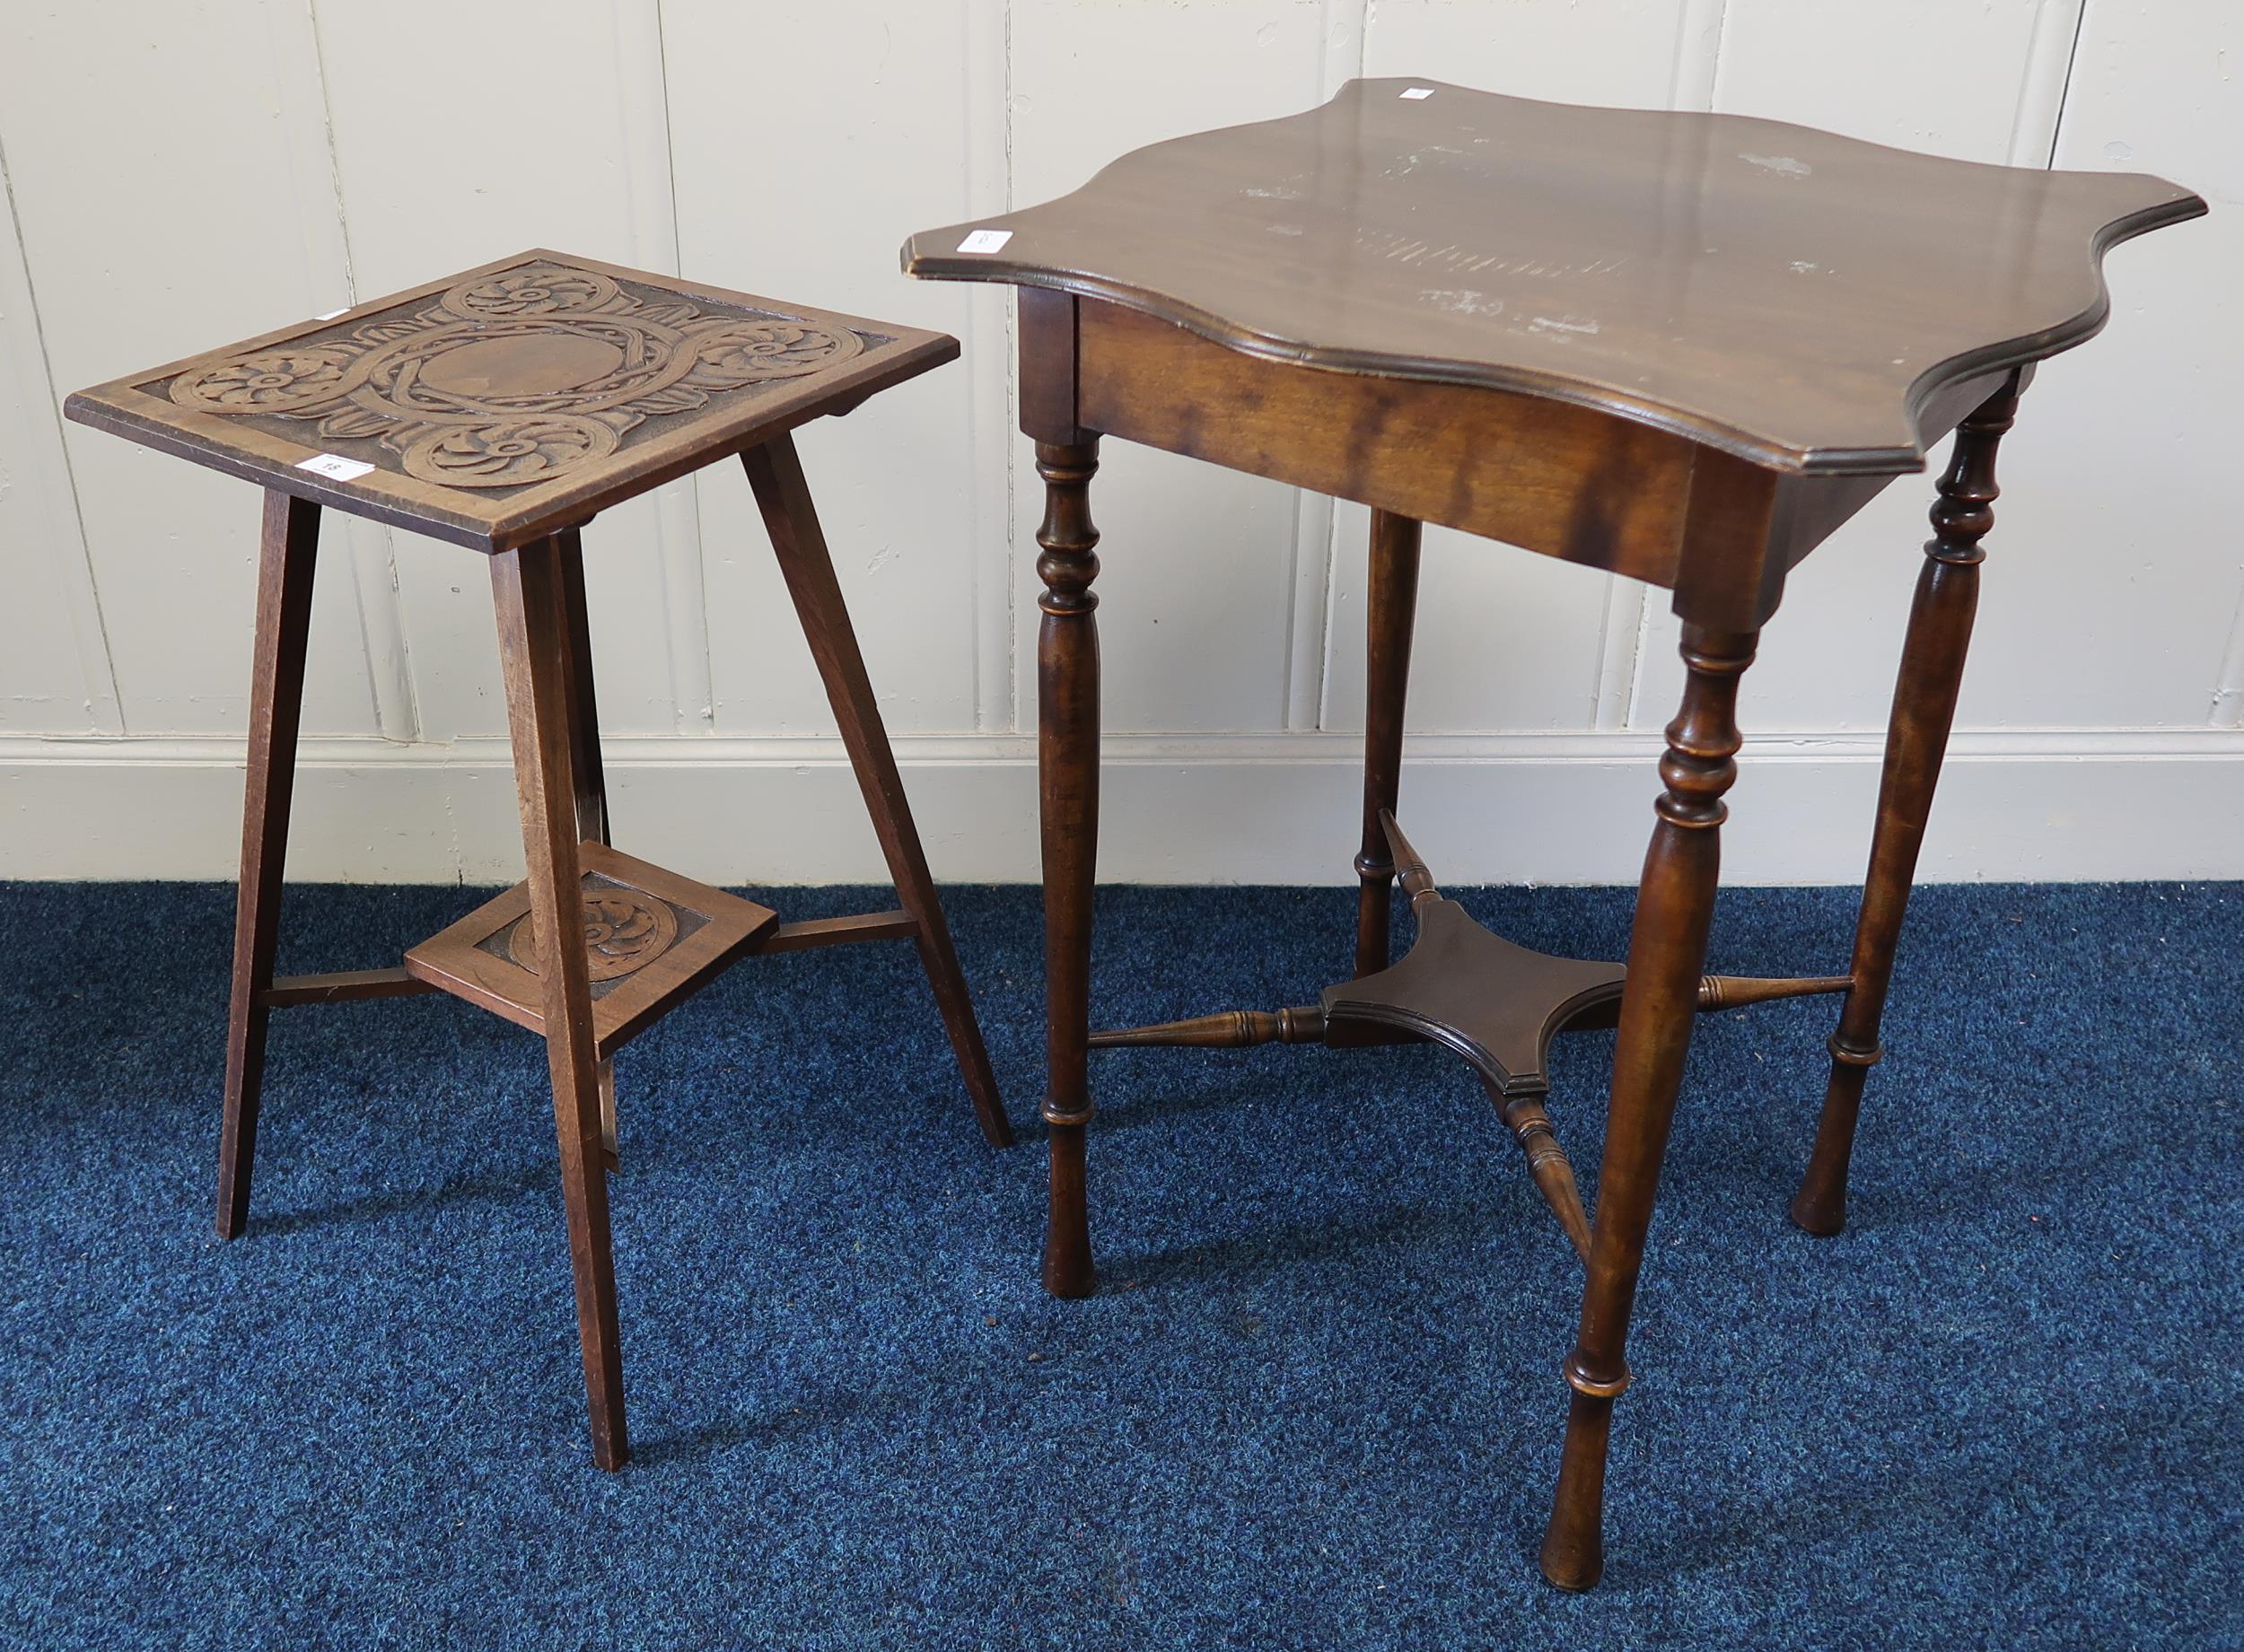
x: 330, y: 314
x: 336, y: 466
x: 1415, y: 93
x: 985, y: 241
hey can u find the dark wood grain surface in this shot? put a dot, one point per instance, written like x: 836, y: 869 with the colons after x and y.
x: 512, y: 401
x: 1680, y: 347
x: 692, y: 934
x: 1793, y: 296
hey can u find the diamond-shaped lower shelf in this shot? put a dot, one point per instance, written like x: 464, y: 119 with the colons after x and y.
x: 653, y: 939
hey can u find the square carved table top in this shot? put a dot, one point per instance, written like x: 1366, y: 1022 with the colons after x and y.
x: 1791, y: 296
x: 507, y: 402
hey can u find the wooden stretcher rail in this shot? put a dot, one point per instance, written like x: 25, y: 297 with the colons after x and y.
x: 342, y: 986
x: 813, y: 933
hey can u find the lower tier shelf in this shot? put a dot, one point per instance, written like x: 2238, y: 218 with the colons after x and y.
x: 653, y: 938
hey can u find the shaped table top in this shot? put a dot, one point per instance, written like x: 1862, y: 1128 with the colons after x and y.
x: 509, y: 401
x: 1789, y: 295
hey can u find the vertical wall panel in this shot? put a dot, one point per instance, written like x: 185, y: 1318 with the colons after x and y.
x: 643, y: 95
x: 2121, y: 503
x: 1196, y: 585
x: 1507, y: 639
x: 1930, y: 74
x: 1343, y: 25
x: 147, y: 239
x: 1873, y: 73
x: 808, y: 142
x: 185, y: 174
x: 989, y: 343
x: 2051, y: 582
x: 1621, y: 52
x: 518, y: 133
x: 54, y: 672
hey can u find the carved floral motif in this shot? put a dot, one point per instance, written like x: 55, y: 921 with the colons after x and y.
x: 512, y: 379
x: 740, y: 351
x: 270, y: 381
x: 537, y: 289
x: 507, y: 453
x: 624, y: 930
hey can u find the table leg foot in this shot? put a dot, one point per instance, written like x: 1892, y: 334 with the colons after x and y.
x: 1573, y: 1545
x: 1068, y: 1268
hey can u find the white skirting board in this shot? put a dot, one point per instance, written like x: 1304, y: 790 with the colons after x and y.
x: 2055, y: 805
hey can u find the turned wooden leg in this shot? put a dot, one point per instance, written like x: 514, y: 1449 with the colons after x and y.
x: 533, y: 624
x: 1917, y: 737
x: 1392, y: 611
x: 1667, y: 950
x: 776, y: 472
x: 1067, y: 766
x: 286, y: 547
x: 584, y: 761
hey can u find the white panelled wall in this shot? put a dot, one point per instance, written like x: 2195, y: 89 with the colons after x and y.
x: 180, y: 176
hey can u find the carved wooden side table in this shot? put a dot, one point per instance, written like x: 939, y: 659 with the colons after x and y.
x: 500, y: 409
x: 1680, y: 347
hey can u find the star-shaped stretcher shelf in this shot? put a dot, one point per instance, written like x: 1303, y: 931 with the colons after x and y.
x: 513, y: 400
x: 1490, y: 1000
x: 1793, y: 297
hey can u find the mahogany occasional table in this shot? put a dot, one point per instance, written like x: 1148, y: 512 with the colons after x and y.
x: 500, y: 409
x: 1680, y: 347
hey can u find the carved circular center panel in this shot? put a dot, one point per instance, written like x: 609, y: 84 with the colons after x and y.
x: 572, y: 364
x: 536, y: 365
x: 624, y: 930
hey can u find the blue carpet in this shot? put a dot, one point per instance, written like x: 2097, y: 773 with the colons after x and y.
x: 1317, y: 1404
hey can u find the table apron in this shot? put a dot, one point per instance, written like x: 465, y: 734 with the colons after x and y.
x: 1566, y: 481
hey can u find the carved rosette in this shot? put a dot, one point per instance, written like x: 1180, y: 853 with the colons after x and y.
x: 736, y: 352
x: 269, y: 381
x: 506, y: 452
x: 513, y: 379
x: 624, y: 931
x: 536, y: 290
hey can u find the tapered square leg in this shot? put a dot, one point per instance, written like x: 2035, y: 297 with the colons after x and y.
x: 589, y: 773
x: 776, y: 472
x: 286, y: 549
x: 528, y: 587
x: 1667, y: 954
x: 1393, y: 608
